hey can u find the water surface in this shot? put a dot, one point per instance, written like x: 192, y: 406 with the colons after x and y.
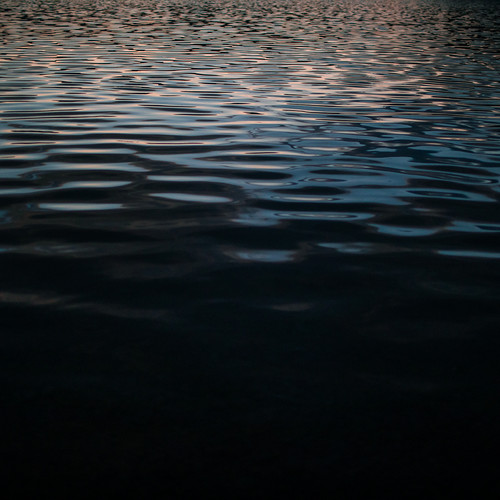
x: 249, y: 243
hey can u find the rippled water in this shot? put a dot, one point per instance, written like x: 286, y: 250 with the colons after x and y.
x: 250, y: 243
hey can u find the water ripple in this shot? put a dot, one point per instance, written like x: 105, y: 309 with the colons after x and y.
x: 344, y: 126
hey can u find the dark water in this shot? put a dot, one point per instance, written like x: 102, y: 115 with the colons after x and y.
x: 250, y: 247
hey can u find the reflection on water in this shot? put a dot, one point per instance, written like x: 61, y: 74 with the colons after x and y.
x: 295, y: 191
x: 345, y: 112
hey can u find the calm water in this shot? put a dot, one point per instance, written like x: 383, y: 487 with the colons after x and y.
x: 249, y: 246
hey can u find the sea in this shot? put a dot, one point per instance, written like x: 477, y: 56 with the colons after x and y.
x: 249, y: 248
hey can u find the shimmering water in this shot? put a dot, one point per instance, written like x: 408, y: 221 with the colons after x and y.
x: 249, y: 246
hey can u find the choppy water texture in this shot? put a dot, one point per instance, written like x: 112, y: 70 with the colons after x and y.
x: 250, y: 246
